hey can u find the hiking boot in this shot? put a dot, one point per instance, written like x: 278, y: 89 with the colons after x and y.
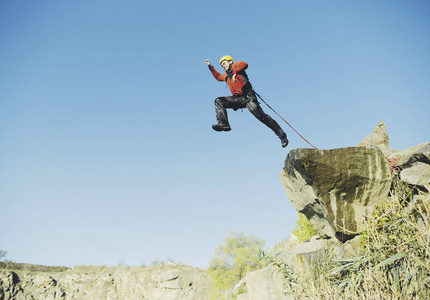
x: 221, y: 127
x: 284, y: 140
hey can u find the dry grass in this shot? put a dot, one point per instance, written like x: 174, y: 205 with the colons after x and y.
x: 31, y: 268
x: 395, y: 258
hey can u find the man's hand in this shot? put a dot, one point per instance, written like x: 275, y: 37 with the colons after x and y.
x: 234, y: 77
x: 207, y: 62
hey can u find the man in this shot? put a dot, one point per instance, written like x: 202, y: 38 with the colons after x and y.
x: 242, y: 96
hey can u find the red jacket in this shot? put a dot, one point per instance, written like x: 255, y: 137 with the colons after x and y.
x: 241, y: 85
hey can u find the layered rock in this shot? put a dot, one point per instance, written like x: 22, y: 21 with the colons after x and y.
x: 164, y: 283
x: 335, y: 189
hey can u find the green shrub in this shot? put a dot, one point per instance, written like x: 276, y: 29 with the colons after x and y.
x: 237, y: 255
x: 303, y: 229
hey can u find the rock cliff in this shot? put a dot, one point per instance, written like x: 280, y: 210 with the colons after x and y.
x: 336, y: 189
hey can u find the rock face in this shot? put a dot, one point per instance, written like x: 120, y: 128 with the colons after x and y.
x: 335, y: 189
x: 164, y: 283
x: 263, y: 284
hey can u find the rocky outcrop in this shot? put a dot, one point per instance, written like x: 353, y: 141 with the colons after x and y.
x: 378, y: 138
x: 268, y: 283
x: 335, y: 189
x: 262, y: 284
x: 413, y: 163
x: 164, y: 283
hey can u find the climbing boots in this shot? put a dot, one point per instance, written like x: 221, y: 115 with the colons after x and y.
x: 221, y: 127
x: 284, y: 140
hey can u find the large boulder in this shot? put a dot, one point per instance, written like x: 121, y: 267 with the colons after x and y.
x: 269, y: 283
x: 336, y: 189
x: 414, y: 165
x: 264, y: 284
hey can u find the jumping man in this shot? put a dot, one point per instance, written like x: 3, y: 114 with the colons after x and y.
x: 242, y: 96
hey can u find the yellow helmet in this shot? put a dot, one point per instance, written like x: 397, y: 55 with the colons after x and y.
x: 225, y: 57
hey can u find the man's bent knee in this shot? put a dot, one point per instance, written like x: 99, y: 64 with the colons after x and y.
x: 219, y: 102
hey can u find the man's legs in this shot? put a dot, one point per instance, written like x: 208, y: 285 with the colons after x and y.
x: 221, y: 105
x: 258, y: 112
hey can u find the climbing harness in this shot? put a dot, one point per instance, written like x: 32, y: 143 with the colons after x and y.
x: 285, y: 121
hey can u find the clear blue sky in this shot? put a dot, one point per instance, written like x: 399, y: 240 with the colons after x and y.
x: 106, y: 148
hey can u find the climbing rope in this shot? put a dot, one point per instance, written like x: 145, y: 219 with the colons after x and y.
x: 286, y: 121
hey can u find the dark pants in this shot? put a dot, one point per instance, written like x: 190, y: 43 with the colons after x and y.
x: 249, y: 101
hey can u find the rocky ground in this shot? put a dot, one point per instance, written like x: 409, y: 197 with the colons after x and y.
x: 99, y: 282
